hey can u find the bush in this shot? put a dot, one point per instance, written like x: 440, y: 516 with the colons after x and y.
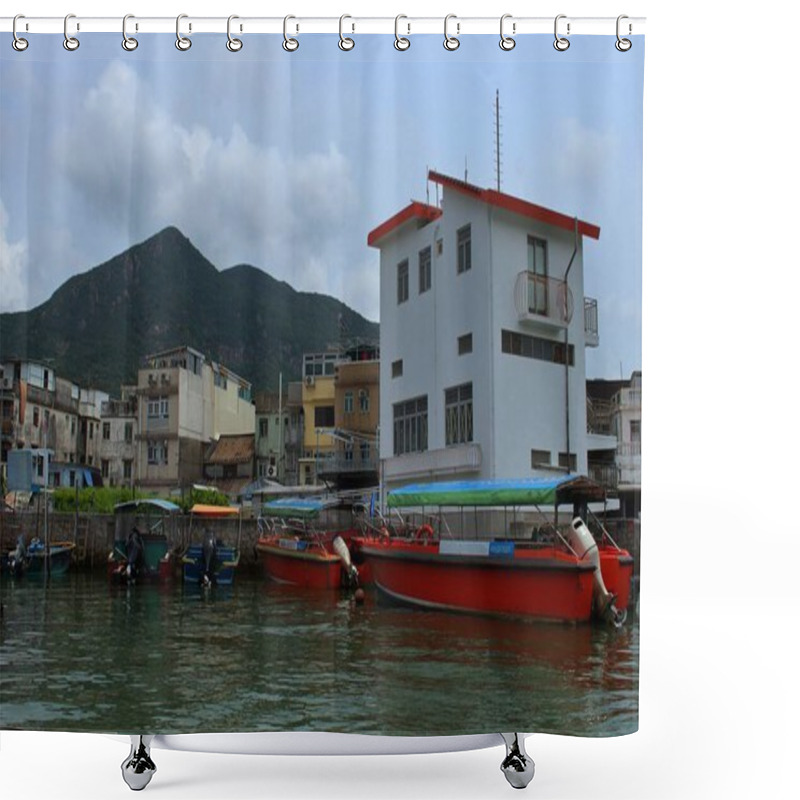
x: 92, y: 499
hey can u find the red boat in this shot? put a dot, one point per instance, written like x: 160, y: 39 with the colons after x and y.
x: 293, y: 550
x: 547, y: 575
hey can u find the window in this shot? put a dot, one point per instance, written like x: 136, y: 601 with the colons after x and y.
x: 157, y: 453
x: 364, y: 452
x: 402, y: 282
x: 128, y: 432
x: 636, y: 430
x: 363, y: 401
x: 36, y: 416
x: 324, y: 417
x: 439, y: 247
x: 91, y: 430
x: 464, y: 243
x: 397, y: 368
x: 411, y: 426
x: 127, y: 469
x: 465, y: 344
x: 424, y: 270
x: 72, y: 426
x: 104, y: 468
x: 158, y: 408
x: 522, y: 344
x: 318, y: 364
x: 348, y: 402
x: 537, y: 268
x: 106, y: 432
x: 458, y: 414
x: 263, y: 427
x: 568, y: 461
x: 540, y: 458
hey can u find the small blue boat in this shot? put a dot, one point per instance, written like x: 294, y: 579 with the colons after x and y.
x: 211, y: 562
x: 37, y: 559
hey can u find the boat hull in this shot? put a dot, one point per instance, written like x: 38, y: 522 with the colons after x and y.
x: 156, y: 564
x: 616, y: 567
x: 313, y: 568
x: 541, y: 584
x: 60, y: 559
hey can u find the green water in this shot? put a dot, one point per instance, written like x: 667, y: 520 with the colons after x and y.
x: 80, y: 655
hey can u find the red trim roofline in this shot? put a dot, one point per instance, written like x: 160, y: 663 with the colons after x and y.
x: 516, y: 205
x: 414, y: 210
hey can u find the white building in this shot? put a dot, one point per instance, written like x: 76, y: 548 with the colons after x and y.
x: 481, y: 303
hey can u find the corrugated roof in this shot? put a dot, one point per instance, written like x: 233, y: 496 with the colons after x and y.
x: 232, y: 449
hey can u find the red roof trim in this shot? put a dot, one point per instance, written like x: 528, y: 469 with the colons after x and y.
x: 516, y: 205
x: 414, y: 210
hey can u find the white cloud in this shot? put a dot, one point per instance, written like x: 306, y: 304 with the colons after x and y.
x: 584, y: 154
x: 13, y: 268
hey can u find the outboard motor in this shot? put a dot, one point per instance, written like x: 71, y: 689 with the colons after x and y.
x: 134, y: 552
x: 584, y: 545
x: 349, y: 571
x: 16, y: 559
x: 209, y: 558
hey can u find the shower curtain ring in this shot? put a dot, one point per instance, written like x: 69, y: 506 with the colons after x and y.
x: 181, y: 42
x: 561, y: 43
x: 623, y: 45
x: 400, y: 42
x: 289, y: 44
x: 128, y: 42
x: 451, y: 42
x: 70, y: 42
x: 19, y: 44
x: 233, y: 44
x: 507, y: 42
x: 345, y: 43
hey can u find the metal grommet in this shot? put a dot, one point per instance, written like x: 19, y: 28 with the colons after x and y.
x: 289, y: 44
x: 233, y: 44
x: 623, y: 45
x: 128, y: 42
x: 506, y: 42
x: 345, y: 43
x: 181, y: 42
x: 451, y: 42
x: 18, y: 43
x: 400, y: 42
x: 561, y: 43
x: 70, y: 42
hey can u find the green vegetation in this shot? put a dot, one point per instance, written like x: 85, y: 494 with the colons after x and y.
x: 90, y: 499
x: 206, y: 497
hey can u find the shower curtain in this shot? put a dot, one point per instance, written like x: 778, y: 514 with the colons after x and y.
x: 381, y: 304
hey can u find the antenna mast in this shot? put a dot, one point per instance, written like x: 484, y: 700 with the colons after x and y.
x: 497, y: 135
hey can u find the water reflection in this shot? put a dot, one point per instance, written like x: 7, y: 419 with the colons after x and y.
x: 78, y: 654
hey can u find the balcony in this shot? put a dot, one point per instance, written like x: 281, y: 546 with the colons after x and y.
x: 541, y: 300
x: 590, y: 322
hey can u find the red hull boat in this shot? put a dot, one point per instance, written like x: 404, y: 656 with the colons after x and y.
x: 569, y: 578
x: 291, y: 551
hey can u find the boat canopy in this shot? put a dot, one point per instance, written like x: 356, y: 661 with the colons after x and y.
x: 202, y: 510
x: 144, y: 504
x: 520, y: 492
x: 302, y: 507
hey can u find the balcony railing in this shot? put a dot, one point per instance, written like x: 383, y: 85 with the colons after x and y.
x: 336, y: 463
x: 542, y: 300
x: 590, y: 322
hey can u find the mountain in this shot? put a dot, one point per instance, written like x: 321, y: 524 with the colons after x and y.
x: 164, y: 293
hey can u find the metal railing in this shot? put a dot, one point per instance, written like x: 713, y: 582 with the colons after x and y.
x: 590, y: 321
x: 544, y: 298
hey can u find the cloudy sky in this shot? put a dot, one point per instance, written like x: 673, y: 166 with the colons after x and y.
x: 287, y: 161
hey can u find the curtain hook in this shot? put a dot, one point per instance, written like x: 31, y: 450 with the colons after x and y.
x: 70, y: 42
x: 506, y: 42
x: 400, y: 42
x: 561, y: 43
x: 623, y: 45
x: 128, y: 42
x: 289, y: 44
x: 233, y: 44
x: 345, y: 43
x: 181, y: 42
x: 451, y: 42
x: 19, y: 44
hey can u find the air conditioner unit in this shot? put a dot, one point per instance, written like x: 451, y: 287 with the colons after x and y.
x: 8, y: 383
x: 309, y: 380
x: 271, y: 471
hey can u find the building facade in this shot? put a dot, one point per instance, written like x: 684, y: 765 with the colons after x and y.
x: 119, y: 426
x: 483, y: 329
x: 279, y: 434
x: 185, y: 401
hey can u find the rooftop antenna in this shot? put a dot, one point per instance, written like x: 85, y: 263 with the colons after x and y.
x: 466, y: 171
x: 497, y: 135
x: 427, y: 185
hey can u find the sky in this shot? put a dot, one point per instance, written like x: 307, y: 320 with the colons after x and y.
x: 287, y: 161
